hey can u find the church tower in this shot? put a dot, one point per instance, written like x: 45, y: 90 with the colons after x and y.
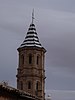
x: 31, y: 69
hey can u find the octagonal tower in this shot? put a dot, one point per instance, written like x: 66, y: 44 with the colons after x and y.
x: 31, y: 69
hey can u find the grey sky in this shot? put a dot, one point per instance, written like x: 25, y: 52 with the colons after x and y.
x: 55, y: 24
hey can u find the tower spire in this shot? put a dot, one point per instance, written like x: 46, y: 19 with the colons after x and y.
x: 32, y: 16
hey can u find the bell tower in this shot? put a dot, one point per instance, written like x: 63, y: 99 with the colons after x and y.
x: 31, y: 69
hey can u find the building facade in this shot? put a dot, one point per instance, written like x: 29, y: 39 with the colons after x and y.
x: 31, y: 69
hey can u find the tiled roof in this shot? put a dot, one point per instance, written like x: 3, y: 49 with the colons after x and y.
x: 31, y: 38
x: 16, y: 91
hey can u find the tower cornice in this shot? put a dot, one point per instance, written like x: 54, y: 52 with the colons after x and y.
x: 32, y: 48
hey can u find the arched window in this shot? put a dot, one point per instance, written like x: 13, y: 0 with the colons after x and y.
x: 22, y: 59
x: 21, y: 85
x: 29, y: 84
x: 37, y: 88
x: 37, y: 61
x: 37, y: 85
x: 30, y: 58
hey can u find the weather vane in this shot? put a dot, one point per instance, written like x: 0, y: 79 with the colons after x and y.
x: 32, y: 16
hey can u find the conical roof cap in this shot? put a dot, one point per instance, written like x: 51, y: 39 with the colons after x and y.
x: 31, y: 38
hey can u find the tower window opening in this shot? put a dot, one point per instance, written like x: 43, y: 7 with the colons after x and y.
x: 37, y: 60
x: 21, y: 85
x: 22, y: 59
x: 29, y: 84
x: 37, y: 85
x: 30, y: 58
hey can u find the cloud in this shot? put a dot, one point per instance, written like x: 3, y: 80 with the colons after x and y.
x: 55, y: 24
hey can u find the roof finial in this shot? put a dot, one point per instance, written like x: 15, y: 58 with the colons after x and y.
x: 32, y: 16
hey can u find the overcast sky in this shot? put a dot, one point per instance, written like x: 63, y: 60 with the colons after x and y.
x: 55, y: 24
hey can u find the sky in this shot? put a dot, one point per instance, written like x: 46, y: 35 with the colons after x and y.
x: 55, y: 24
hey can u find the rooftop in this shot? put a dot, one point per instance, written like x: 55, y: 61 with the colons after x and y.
x: 10, y: 90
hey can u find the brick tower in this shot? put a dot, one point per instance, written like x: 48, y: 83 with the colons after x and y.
x: 31, y: 71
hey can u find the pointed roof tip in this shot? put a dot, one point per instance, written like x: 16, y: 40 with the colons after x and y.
x: 31, y: 39
x: 33, y: 16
